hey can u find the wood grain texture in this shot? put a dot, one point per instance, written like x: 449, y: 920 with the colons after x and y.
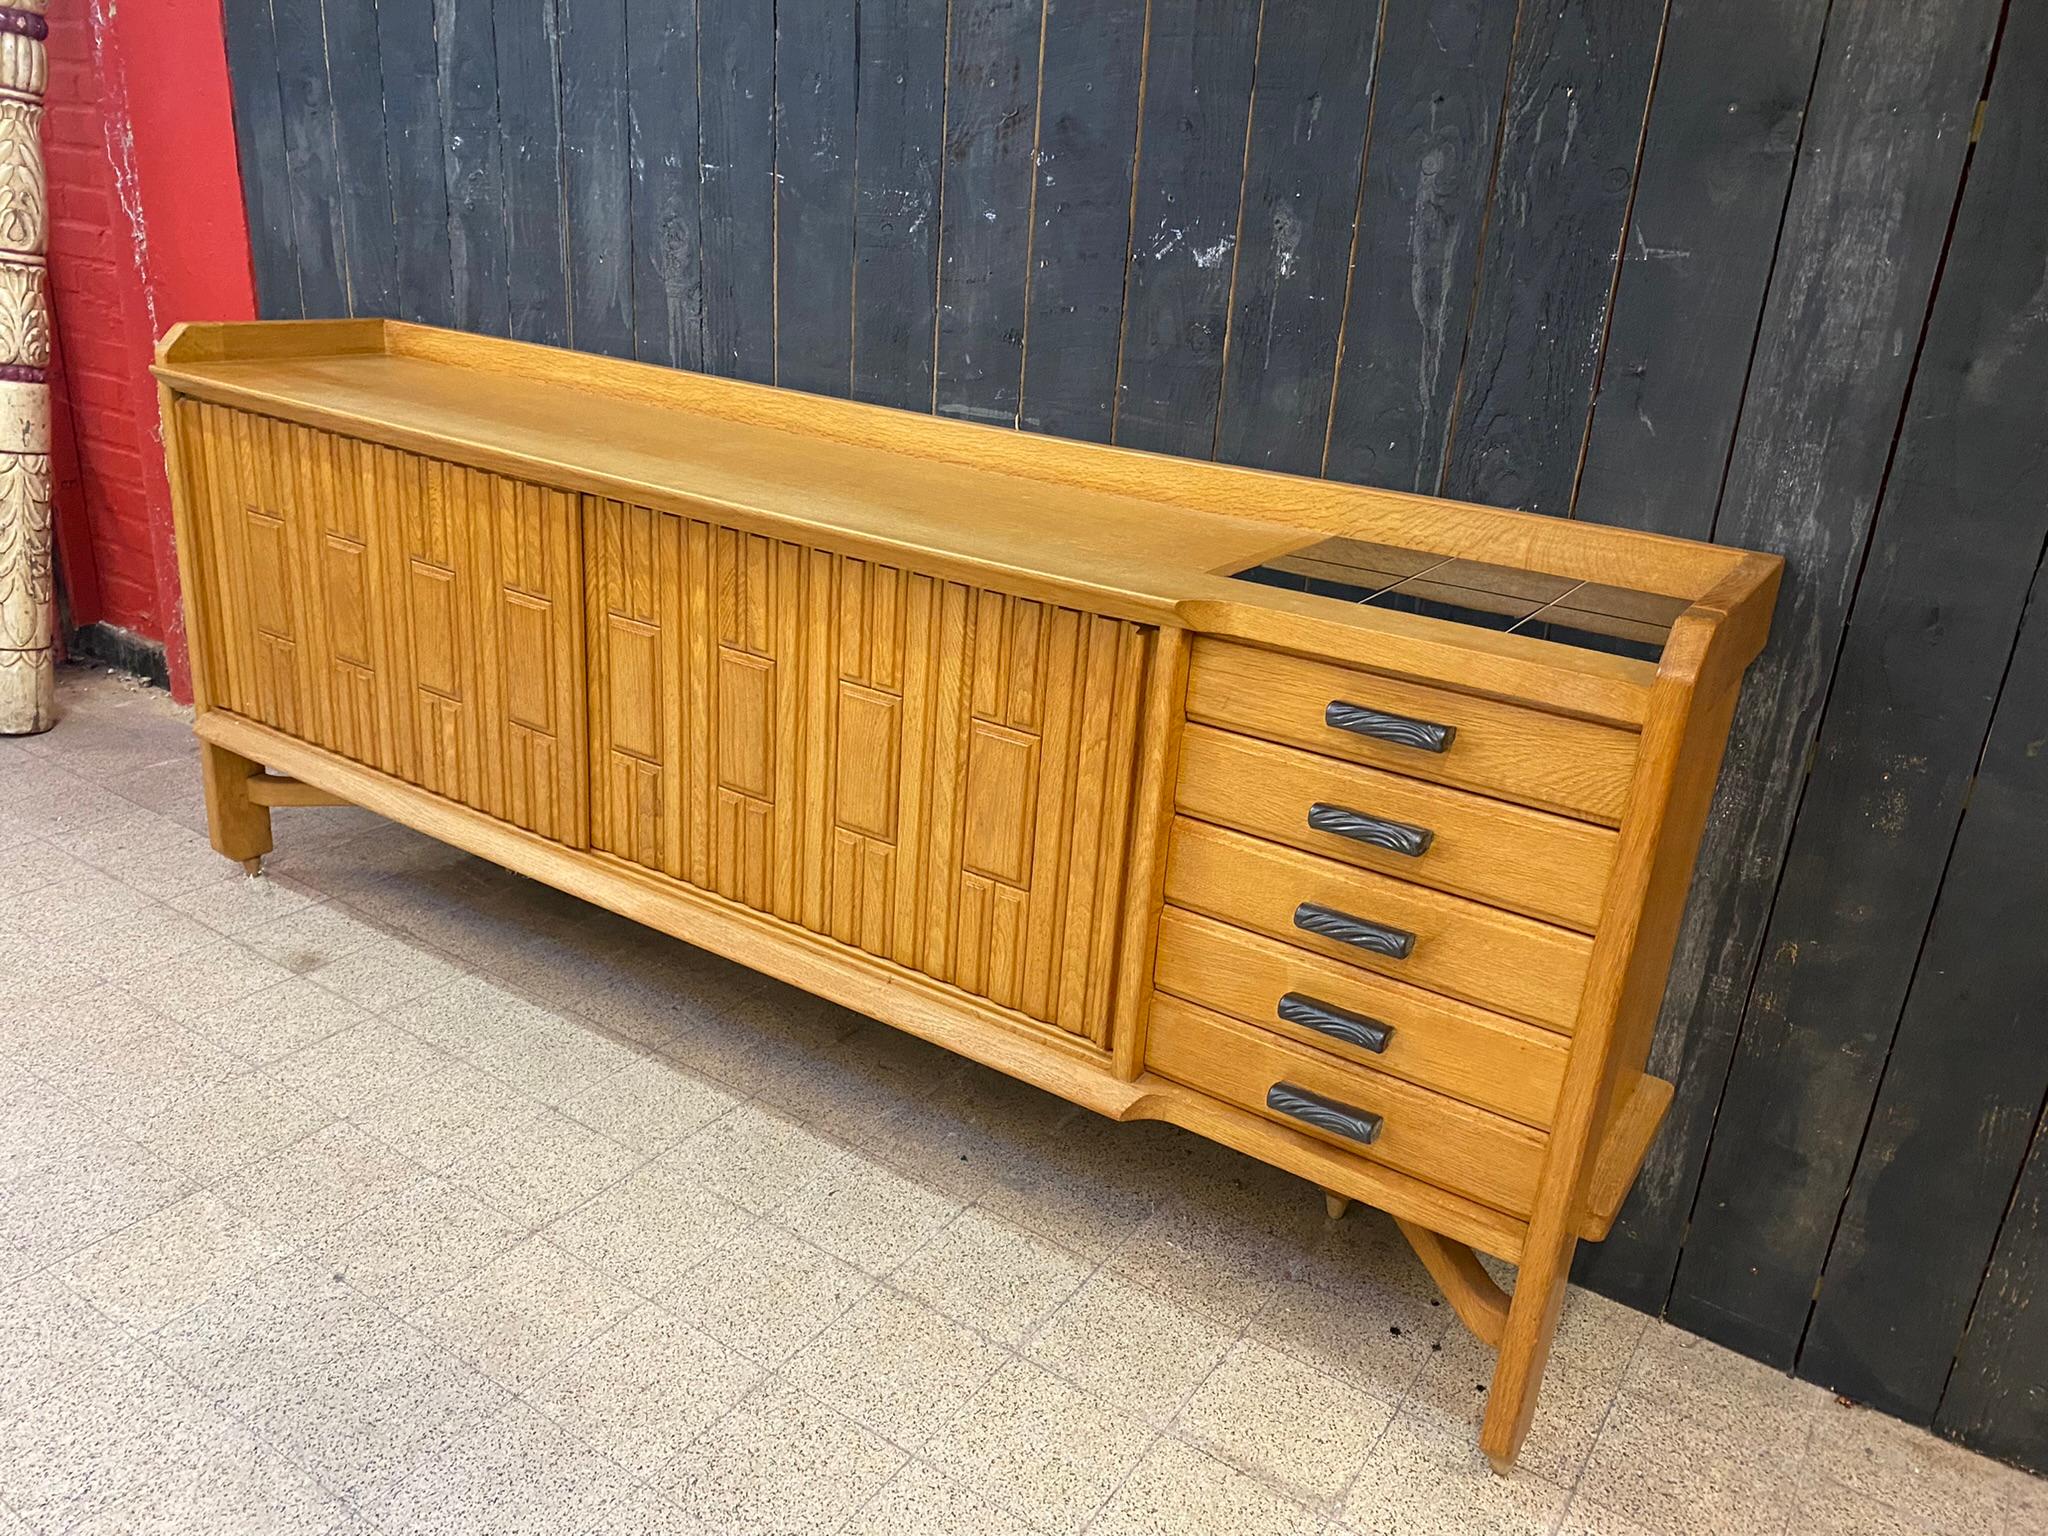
x: 1962, y: 1091
x: 816, y: 80
x: 1540, y: 760
x: 1482, y: 956
x: 1480, y: 1303
x: 662, y: 87
x: 1483, y: 1058
x: 528, y: 37
x: 1536, y: 864
x: 985, y: 218
x: 351, y: 54
x: 898, y: 154
x: 1300, y: 199
x: 1577, y: 95
x: 414, y: 133
x: 1864, y: 229
x: 251, y: 36
x: 1428, y: 170
x: 467, y: 76
x: 1201, y: 59
x: 1929, y: 641
x: 736, y: 152
x: 312, y: 168
x: 1081, y: 205
x: 1718, y: 158
x: 597, y: 174
x: 925, y: 771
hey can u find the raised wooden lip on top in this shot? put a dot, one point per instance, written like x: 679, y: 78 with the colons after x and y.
x: 1136, y: 535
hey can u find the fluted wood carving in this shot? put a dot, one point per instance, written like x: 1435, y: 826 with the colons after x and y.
x: 27, y: 616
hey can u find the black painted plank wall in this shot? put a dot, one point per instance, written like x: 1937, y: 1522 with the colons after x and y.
x: 1725, y: 268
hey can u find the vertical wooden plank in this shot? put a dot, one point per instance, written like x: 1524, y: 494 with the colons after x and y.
x: 413, y: 152
x: 467, y: 70
x: 1995, y: 1402
x: 897, y: 133
x: 530, y: 136
x: 1081, y: 234
x: 1199, y: 68
x: 1957, y: 536
x: 1869, y: 212
x: 319, y: 236
x: 1576, y: 104
x: 259, y: 144
x: 1717, y: 162
x: 815, y: 81
x: 356, y: 82
x: 736, y: 126
x: 661, y: 113
x: 985, y: 206
x: 1300, y: 206
x: 1435, y: 124
x: 1962, y: 1089
x: 596, y: 176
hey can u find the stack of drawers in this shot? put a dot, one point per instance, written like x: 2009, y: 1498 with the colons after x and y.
x: 1380, y: 902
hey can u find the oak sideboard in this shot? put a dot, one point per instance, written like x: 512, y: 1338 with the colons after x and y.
x: 1347, y: 828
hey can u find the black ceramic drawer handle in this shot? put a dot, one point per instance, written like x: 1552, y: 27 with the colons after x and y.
x: 1394, y: 943
x: 1338, y: 1023
x: 1360, y: 1125
x: 1423, y: 735
x: 1394, y: 836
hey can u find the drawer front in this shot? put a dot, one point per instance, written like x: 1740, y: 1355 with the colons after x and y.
x: 1424, y: 1134
x: 1494, y: 959
x: 1497, y: 1063
x: 1430, y: 733
x: 1543, y: 865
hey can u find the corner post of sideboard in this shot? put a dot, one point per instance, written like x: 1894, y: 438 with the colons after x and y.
x: 1160, y: 721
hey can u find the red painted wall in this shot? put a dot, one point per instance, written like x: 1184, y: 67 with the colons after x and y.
x: 146, y: 229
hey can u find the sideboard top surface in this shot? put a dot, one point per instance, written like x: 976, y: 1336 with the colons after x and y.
x: 1134, y: 535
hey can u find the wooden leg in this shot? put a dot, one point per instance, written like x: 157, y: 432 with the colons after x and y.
x: 1481, y: 1305
x: 238, y: 826
x: 1335, y: 1204
x: 1525, y: 1350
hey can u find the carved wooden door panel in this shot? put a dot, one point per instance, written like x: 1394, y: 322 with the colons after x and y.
x: 420, y: 617
x: 938, y: 774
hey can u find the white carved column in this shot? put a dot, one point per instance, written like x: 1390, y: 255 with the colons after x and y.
x: 28, y: 623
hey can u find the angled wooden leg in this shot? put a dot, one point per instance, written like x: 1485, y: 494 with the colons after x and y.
x: 1525, y: 1350
x: 1335, y: 1204
x: 237, y: 825
x: 1481, y: 1305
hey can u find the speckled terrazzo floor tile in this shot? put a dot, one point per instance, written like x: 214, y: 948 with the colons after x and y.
x: 781, y: 1462
x: 1419, y: 1482
x: 895, y: 1365
x: 1130, y: 1347
x: 992, y: 1275
x: 649, y: 1228
x: 1271, y: 1415
x: 754, y: 1158
x: 305, y: 1190
x: 542, y: 1167
x: 766, y: 1292
x: 925, y: 1500
x: 312, y: 937
x: 62, y: 1198
x: 650, y: 1106
x: 1220, y: 1252
x: 218, y: 1130
x: 48, y: 1333
x: 237, y: 906
x: 1925, y: 1480
x: 524, y: 1311
x: 867, y: 1214
x: 214, y: 976
x: 416, y: 1243
x: 271, y: 1025
x: 1586, y: 1518
x: 1177, y: 1490
x: 443, y: 1116
x: 1677, y: 1477
x: 357, y: 1065
x: 146, y: 1274
x: 644, y: 1389
x: 386, y: 973
x: 1039, y: 1448
x: 1736, y: 1399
